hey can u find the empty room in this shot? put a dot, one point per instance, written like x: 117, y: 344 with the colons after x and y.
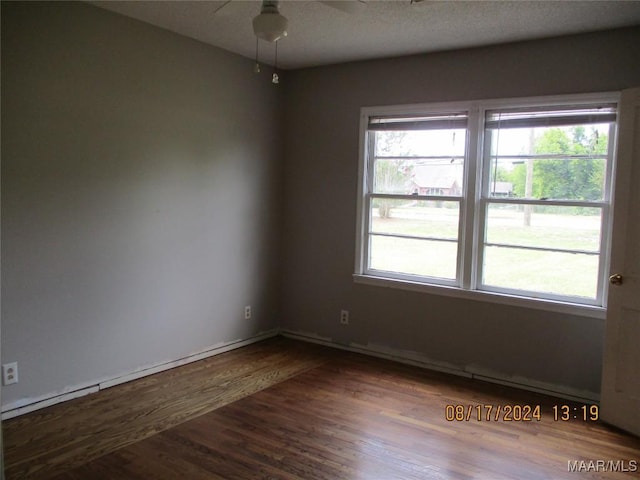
x: 320, y: 240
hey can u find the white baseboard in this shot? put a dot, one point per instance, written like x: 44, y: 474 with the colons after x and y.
x: 23, y: 406
x: 46, y: 401
x: 408, y: 358
x: 416, y: 359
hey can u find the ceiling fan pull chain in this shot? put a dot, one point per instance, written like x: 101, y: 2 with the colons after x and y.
x: 256, y: 67
x: 275, y: 79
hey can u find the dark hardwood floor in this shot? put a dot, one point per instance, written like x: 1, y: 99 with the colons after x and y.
x: 282, y: 409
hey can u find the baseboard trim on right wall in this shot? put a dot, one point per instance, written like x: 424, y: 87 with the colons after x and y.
x: 477, y: 373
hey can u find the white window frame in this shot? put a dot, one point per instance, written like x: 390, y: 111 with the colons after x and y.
x: 473, y: 210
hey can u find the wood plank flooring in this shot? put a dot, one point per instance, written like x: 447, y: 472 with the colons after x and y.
x: 313, y: 413
x: 54, y: 439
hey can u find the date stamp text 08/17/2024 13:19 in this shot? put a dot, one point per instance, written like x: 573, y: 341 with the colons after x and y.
x: 519, y: 413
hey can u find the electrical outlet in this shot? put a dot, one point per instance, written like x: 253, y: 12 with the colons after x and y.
x: 10, y: 373
x: 344, y: 317
x: 247, y: 312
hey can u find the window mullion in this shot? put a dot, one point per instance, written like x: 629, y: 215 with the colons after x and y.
x: 467, y: 211
x: 484, y: 174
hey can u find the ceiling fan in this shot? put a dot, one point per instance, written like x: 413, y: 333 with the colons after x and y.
x: 348, y: 6
x: 271, y: 26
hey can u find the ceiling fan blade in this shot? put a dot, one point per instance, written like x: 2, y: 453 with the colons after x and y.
x: 347, y: 6
x: 224, y: 4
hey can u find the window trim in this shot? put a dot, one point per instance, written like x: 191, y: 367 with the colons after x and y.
x: 472, y: 219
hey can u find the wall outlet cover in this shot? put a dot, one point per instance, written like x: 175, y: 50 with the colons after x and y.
x: 10, y: 373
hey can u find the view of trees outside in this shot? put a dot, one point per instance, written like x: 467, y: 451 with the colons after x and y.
x: 543, y: 163
x: 555, y: 163
x: 391, y: 175
x: 560, y: 178
x: 415, y: 237
x: 402, y: 157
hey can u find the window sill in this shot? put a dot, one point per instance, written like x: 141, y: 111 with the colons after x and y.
x: 482, y: 296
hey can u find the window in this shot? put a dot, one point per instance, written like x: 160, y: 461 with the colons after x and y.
x: 508, y: 198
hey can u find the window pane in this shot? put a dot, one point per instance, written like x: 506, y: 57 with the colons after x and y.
x: 562, y: 163
x: 418, y: 177
x: 423, y: 218
x: 443, y: 142
x: 536, y: 271
x: 413, y: 257
x: 419, y: 162
x: 568, y: 228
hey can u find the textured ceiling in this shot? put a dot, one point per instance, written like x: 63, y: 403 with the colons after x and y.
x: 320, y: 34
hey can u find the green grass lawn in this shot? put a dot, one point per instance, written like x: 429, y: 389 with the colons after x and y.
x: 554, y: 272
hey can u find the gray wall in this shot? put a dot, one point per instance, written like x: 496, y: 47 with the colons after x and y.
x: 321, y: 154
x: 141, y: 196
